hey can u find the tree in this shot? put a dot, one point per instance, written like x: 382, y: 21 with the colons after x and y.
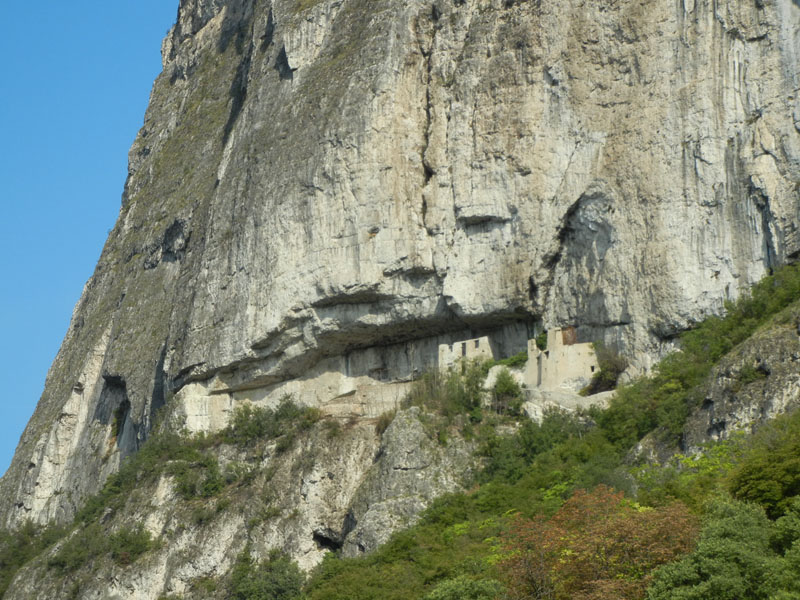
x: 277, y: 578
x: 733, y: 560
x: 464, y: 588
x: 507, y: 394
x: 597, y: 546
x: 770, y: 473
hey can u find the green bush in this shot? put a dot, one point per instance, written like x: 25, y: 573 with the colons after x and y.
x: 665, y: 400
x: 384, y: 421
x: 146, y: 465
x: 251, y: 424
x: 507, y: 395
x: 733, y: 560
x: 612, y: 365
x: 692, y: 479
x: 464, y: 588
x: 450, y: 393
x: 84, y: 546
x: 20, y: 546
x: 200, y: 478
x: 750, y: 373
x: 510, y: 456
x: 93, y: 542
x: 770, y: 472
x: 541, y: 341
x: 276, y: 578
x: 129, y: 543
x: 514, y: 361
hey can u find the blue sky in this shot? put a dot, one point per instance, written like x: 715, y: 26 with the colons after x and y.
x: 74, y: 85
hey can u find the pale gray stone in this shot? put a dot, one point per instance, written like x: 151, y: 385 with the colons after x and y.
x: 320, y: 180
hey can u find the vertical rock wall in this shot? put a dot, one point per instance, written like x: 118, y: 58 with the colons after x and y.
x: 318, y: 178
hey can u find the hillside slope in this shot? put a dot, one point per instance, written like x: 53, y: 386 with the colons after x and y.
x: 324, y: 191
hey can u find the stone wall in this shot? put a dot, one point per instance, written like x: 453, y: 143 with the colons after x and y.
x: 565, y: 365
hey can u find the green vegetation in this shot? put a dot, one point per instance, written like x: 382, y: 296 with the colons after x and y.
x: 276, y: 578
x: 511, y: 362
x: 744, y: 491
x: 384, y: 421
x: 469, y: 540
x: 749, y: 374
x: 597, y: 545
x: 740, y: 554
x: 91, y: 543
x: 192, y: 463
x: 506, y: 395
x: 452, y: 394
x: 464, y: 588
x: 665, y: 400
x: 459, y: 537
x: 190, y: 460
x: 475, y: 540
x: 252, y: 424
x: 541, y: 341
x: 612, y: 366
x: 694, y: 479
x: 20, y: 546
x: 769, y: 474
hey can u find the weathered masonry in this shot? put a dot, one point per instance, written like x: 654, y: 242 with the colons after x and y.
x: 566, y: 364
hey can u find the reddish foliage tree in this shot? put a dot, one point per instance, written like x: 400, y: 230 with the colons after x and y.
x: 597, y: 546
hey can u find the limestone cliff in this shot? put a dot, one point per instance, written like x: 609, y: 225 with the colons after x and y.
x: 325, y: 190
x: 752, y: 385
x: 340, y: 486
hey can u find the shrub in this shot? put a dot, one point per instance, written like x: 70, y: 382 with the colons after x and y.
x: 128, y: 544
x: 251, y: 424
x: 665, y: 399
x: 733, y: 560
x: 277, y: 578
x: 333, y: 428
x: 770, y: 472
x: 384, y: 421
x: 507, y: 395
x: 92, y: 542
x: 450, y: 393
x: 198, y: 478
x: 596, y: 546
x: 750, y: 373
x: 692, y: 479
x: 514, y: 361
x: 510, y: 457
x: 612, y: 365
x: 464, y: 588
x: 81, y: 548
x: 541, y: 341
x: 20, y: 546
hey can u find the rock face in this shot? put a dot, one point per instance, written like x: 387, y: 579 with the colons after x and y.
x: 325, y: 190
x: 341, y: 486
x: 758, y: 381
